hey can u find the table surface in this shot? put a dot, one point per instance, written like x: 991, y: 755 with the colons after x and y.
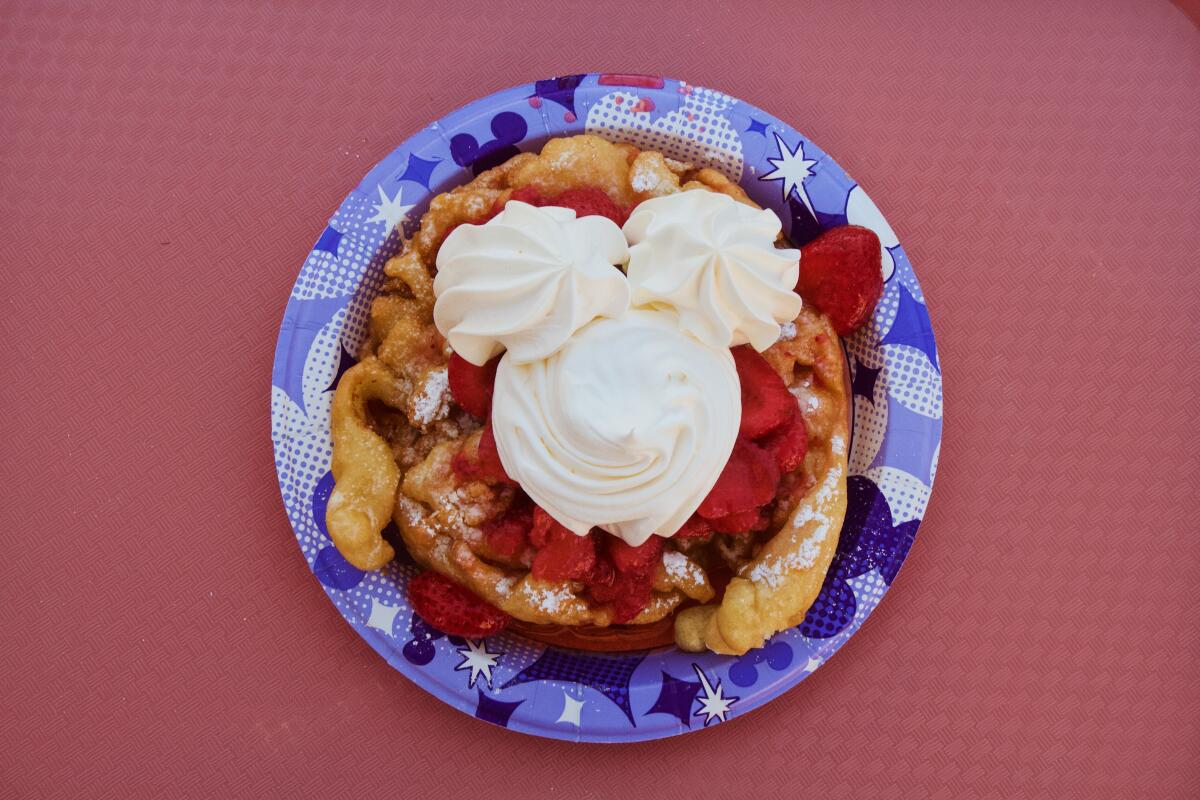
x: 163, y: 637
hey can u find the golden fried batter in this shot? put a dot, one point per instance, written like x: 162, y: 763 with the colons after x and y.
x: 395, y: 434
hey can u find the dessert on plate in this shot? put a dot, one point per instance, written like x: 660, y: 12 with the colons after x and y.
x: 597, y: 408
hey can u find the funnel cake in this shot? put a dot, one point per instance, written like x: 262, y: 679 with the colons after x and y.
x: 400, y: 440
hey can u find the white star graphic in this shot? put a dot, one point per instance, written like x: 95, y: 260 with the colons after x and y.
x: 390, y: 212
x: 812, y: 663
x: 713, y: 704
x: 477, y: 659
x: 792, y: 168
x: 571, y: 709
x: 382, y: 616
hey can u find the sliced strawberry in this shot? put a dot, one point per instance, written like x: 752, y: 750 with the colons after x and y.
x: 603, y: 573
x: 741, y: 522
x: 563, y: 556
x: 528, y: 194
x: 508, y: 534
x: 588, y: 202
x: 488, y: 457
x: 453, y: 609
x: 484, y: 464
x: 539, y: 534
x: 840, y: 273
x: 696, y: 525
x: 627, y: 558
x: 747, y: 481
x: 585, y: 201
x: 471, y: 386
x: 626, y: 584
x: 629, y: 593
x: 788, y: 443
x: 766, y: 401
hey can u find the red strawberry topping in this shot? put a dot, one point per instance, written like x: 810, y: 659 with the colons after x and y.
x: 840, y: 273
x: 508, y: 534
x: 539, y: 534
x: 453, y: 609
x: 696, y: 525
x: 632, y: 583
x: 766, y: 401
x: 788, y: 443
x: 586, y: 201
x: 740, y: 522
x: 485, y: 465
x: 562, y: 556
x: 747, y: 482
x: 627, y: 558
x: 471, y: 386
x: 528, y: 194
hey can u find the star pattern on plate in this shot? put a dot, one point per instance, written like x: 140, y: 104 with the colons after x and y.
x: 757, y: 127
x: 791, y: 167
x: 382, y: 616
x: 864, y: 380
x: 497, y: 712
x: 675, y: 697
x: 608, y: 675
x: 345, y: 362
x: 330, y: 238
x: 714, y: 704
x: 804, y: 224
x: 419, y: 170
x: 390, y: 211
x: 302, y: 323
x: 477, y: 659
x: 571, y: 709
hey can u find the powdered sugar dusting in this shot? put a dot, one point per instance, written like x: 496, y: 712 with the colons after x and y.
x: 412, y: 511
x: 772, y: 570
x: 680, y: 568
x: 504, y: 586
x: 433, y: 402
x: 441, y: 549
x: 787, y: 331
x: 549, y: 599
x: 477, y: 204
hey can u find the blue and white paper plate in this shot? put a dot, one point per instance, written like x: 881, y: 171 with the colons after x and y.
x: 565, y: 694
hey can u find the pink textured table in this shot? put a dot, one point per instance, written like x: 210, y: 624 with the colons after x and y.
x: 161, y: 635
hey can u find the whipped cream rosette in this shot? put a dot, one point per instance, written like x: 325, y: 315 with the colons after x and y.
x: 526, y: 280
x: 617, y: 403
x: 713, y: 261
x: 627, y: 426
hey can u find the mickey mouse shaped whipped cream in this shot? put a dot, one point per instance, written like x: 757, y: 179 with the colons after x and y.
x: 616, y: 401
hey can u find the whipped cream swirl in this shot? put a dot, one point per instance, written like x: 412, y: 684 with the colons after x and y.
x: 526, y: 280
x: 627, y: 426
x: 714, y: 262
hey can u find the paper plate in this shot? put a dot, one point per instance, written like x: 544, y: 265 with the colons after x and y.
x: 524, y: 685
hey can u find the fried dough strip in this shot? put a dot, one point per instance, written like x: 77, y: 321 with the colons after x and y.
x: 364, y: 471
x: 775, y: 589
